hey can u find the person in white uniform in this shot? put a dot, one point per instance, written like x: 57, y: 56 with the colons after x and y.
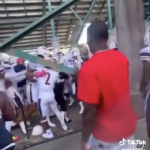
x: 32, y: 87
x: 145, y: 81
x: 11, y: 91
x: 46, y: 97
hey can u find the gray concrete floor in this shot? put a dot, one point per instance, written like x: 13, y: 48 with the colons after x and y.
x: 72, y: 142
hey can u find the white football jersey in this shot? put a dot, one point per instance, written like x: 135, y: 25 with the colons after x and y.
x: 145, y: 54
x: 12, y: 93
x: 78, y: 63
x: 47, y: 82
x: 57, y: 57
x: 69, y: 61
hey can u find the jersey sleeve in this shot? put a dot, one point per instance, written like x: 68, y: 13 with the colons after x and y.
x: 145, y: 54
x: 88, y: 88
x: 62, y: 60
x: 10, y: 75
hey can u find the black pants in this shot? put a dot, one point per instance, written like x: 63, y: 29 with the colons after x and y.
x: 76, y: 91
x: 67, y: 95
x: 59, y: 97
x: 5, y: 137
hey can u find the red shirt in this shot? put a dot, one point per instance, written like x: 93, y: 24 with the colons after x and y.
x: 104, y: 81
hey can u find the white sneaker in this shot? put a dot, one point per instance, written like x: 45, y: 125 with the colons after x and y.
x: 47, y: 136
x: 22, y: 126
x: 28, y: 123
x: 64, y: 127
x: 14, y: 124
x: 71, y: 101
x: 81, y: 107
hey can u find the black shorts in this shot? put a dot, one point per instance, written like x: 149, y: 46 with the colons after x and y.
x: 59, y: 97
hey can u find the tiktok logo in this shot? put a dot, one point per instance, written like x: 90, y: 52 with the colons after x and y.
x: 133, y: 143
x: 121, y: 143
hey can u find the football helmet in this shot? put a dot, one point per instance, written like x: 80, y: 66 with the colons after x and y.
x: 43, y: 51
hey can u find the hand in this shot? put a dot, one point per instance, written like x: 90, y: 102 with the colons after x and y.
x: 85, y: 146
x: 29, y: 73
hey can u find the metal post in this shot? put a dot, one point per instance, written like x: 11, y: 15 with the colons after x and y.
x: 23, y: 32
x: 148, y: 18
x: 51, y: 21
x: 44, y: 26
x: 46, y: 63
x: 76, y: 15
x: 109, y: 15
x: 85, y: 20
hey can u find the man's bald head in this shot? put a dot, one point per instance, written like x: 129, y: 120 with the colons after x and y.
x: 97, y: 35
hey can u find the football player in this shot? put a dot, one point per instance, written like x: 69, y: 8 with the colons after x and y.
x: 46, y: 96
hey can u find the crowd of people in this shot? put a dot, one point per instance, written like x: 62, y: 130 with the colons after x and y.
x: 29, y: 87
x: 104, y: 100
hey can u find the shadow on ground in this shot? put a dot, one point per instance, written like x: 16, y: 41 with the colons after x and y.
x: 73, y: 127
x: 72, y: 142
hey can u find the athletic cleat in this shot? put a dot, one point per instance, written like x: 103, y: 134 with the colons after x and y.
x: 15, y: 138
x: 64, y: 127
x: 22, y: 126
x: 28, y: 123
x: 71, y: 101
x: 47, y: 136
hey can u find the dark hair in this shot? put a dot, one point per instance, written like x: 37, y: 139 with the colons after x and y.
x: 40, y: 56
x: 97, y: 31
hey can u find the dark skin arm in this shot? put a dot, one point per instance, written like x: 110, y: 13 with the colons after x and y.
x: 29, y: 74
x: 2, y: 75
x: 88, y: 122
x: 145, y: 76
x: 6, y: 107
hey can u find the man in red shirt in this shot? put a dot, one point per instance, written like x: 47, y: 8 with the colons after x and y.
x: 103, y: 86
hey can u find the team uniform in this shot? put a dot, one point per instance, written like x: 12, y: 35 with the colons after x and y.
x: 11, y: 80
x: 57, y: 56
x: 14, y: 96
x: 68, y: 61
x: 46, y: 94
x: 21, y: 85
x: 145, y: 56
x: 32, y: 87
x: 6, y: 141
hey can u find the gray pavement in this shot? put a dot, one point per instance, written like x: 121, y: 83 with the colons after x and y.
x: 72, y: 142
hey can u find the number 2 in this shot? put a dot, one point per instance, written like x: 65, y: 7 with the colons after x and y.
x: 47, y: 80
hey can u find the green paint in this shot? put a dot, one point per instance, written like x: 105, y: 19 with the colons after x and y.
x: 23, y: 32
x: 46, y: 63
